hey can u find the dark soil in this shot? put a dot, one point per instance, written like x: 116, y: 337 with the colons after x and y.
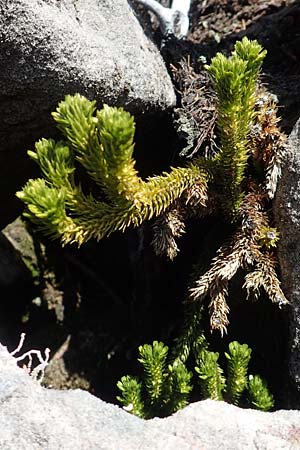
x: 275, y: 24
x: 99, y: 303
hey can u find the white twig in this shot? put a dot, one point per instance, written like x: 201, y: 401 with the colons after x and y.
x: 174, y: 20
x: 20, y: 345
x: 38, y: 372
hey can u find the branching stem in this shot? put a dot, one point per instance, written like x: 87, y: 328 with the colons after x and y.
x: 174, y: 20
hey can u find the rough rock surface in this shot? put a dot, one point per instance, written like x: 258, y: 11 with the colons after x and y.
x: 17, y: 254
x: 35, y: 418
x: 287, y: 215
x: 50, y: 48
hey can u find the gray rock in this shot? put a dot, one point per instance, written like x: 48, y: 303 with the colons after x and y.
x: 50, y: 48
x: 18, y: 261
x: 36, y: 418
x: 287, y: 216
x: 17, y: 237
x: 12, y: 267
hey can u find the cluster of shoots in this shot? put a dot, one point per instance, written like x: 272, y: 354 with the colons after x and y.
x: 238, y: 181
x: 165, y: 386
x: 101, y: 141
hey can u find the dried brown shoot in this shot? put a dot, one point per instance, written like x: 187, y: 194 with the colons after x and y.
x: 243, y: 251
x: 264, y: 276
x: 170, y: 225
x: 218, y: 308
x: 267, y: 140
x: 167, y: 227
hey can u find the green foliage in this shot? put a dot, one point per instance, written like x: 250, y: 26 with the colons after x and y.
x: 115, y: 197
x: 131, y: 398
x: 153, y: 358
x: 164, y: 389
x: 102, y: 142
x: 268, y: 237
x: 191, y: 337
x: 235, y: 81
x: 245, y: 132
x: 259, y: 395
x: 211, y: 377
x: 214, y: 385
x: 238, y: 358
x: 178, y: 387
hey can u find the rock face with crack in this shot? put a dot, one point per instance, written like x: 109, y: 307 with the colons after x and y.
x: 35, y: 418
x: 287, y: 215
x: 50, y: 48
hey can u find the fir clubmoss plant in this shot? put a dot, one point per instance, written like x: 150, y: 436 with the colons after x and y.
x: 245, y: 249
x: 235, y: 81
x: 243, y: 177
x: 238, y: 358
x: 165, y: 387
x: 101, y: 141
x: 259, y: 394
x: 131, y: 395
x: 153, y: 358
x: 214, y: 385
x: 211, y: 376
x: 248, y: 138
